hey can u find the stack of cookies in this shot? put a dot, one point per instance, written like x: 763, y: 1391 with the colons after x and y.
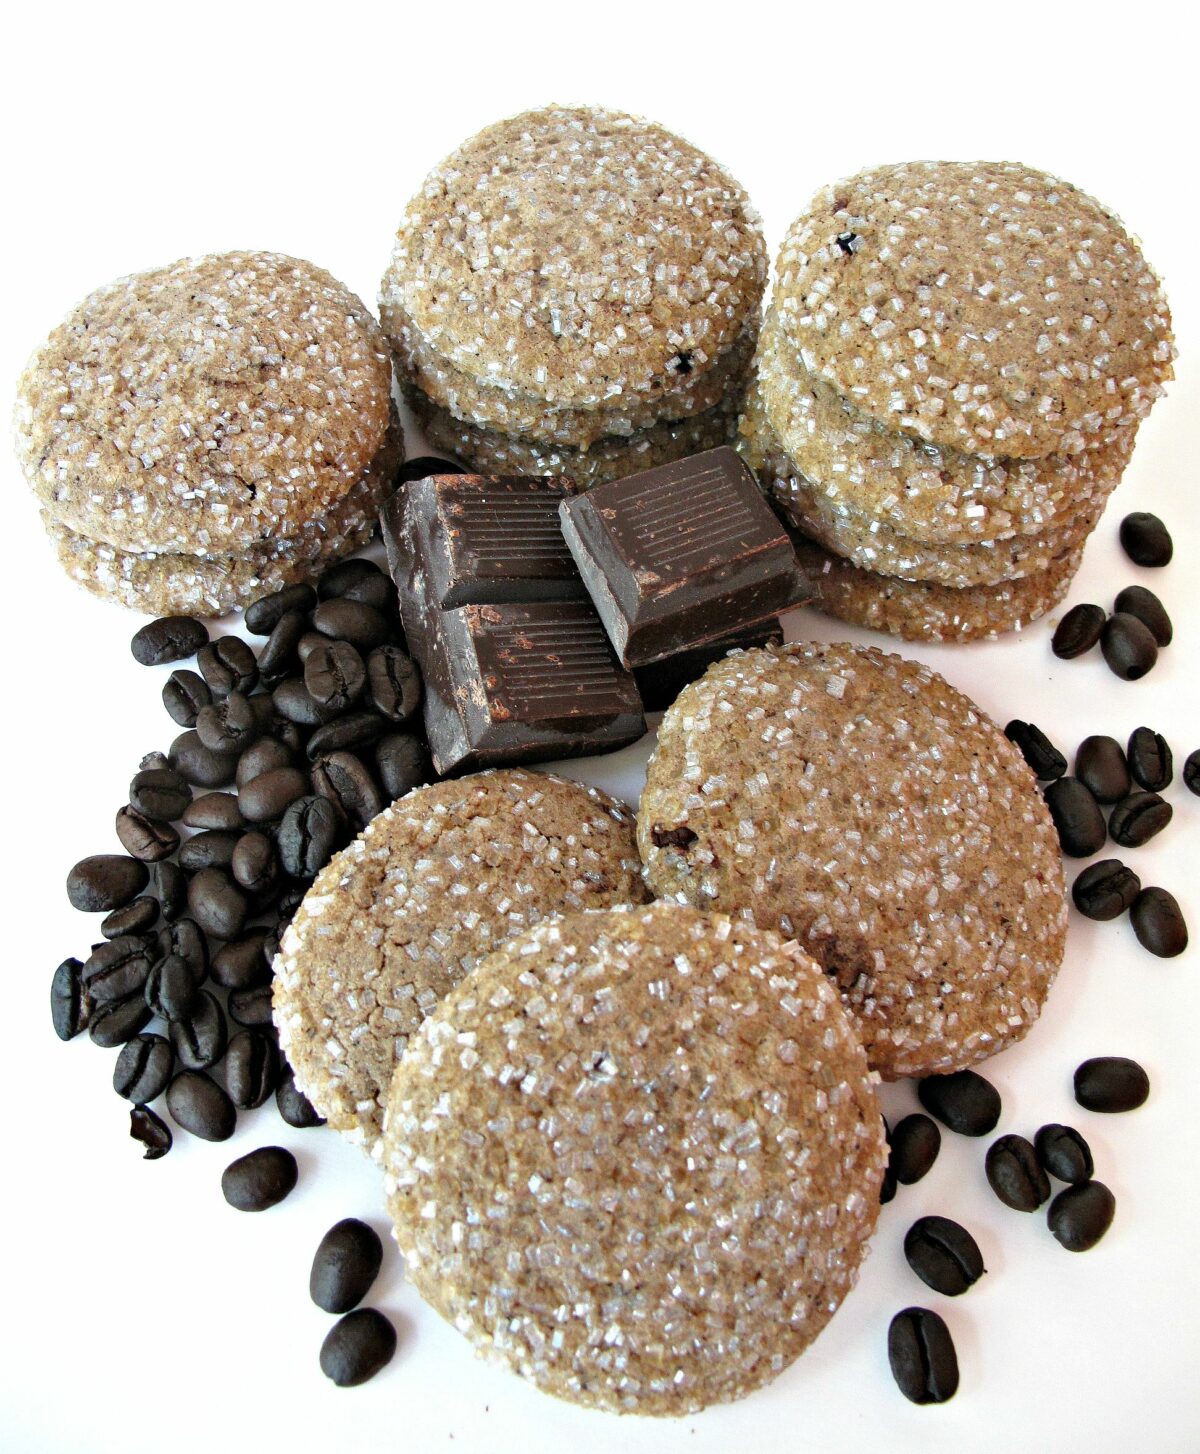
x: 578, y: 292
x: 203, y: 433
x: 948, y: 386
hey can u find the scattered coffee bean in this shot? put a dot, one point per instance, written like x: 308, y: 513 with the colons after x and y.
x: 1150, y: 759
x: 357, y: 1347
x: 335, y: 676
x: 308, y: 643
x: 115, y: 1021
x: 1191, y: 772
x: 1101, y: 767
x: 1077, y: 817
x: 199, y: 1037
x: 263, y: 615
x: 915, y: 1144
x: 135, y: 918
x: 356, y: 729
x: 1145, y: 539
x: 1145, y: 605
x: 198, y: 1104
x: 143, y: 1068
x: 278, y: 656
x: 143, y: 837
x: 70, y: 1003
x: 1080, y: 1215
x: 295, y: 703
x: 1035, y: 747
x: 228, y: 665
x: 271, y: 794
x: 310, y: 832
x: 887, y: 1187
x: 105, y: 881
x: 922, y: 1357
x: 151, y: 1130
x: 154, y: 762
x: 944, y: 1255
x: 170, y: 638
x: 1129, y: 646
x: 260, y: 1179
x: 239, y: 965
x: 346, y: 1263
x: 182, y: 937
x: 1016, y: 1175
x: 217, y: 904
x: 229, y: 725
x: 267, y: 754
x: 1105, y: 890
x: 294, y: 1106
x: 160, y: 793
x: 403, y: 763
x: 254, y: 863
x: 215, y: 811
x: 117, y: 969
x: 1064, y: 1153
x: 394, y: 683
x: 170, y: 988
x: 251, y: 1007
x: 342, y: 778
x: 210, y: 848
x: 963, y: 1100
x: 1138, y: 819
x: 362, y: 626
x: 1111, y: 1083
x: 199, y: 764
x: 184, y: 694
x: 251, y: 1067
x: 1078, y: 631
x: 1158, y: 923
x: 374, y: 590
x: 169, y: 885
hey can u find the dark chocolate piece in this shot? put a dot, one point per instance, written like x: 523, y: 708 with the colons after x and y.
x: 662, y: 681
x: 681, y: 555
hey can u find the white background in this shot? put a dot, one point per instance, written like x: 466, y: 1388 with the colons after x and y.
x: 140, y: 1310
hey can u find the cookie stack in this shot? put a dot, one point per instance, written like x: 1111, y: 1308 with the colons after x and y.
x: 203, y: 433
x: 948, y: 386
x: 575, y: 291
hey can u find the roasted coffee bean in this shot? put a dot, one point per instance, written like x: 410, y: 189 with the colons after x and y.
x: 260, y: 1179
x: 217, y: 811
x: 217, y: 904
x: 151, y: 1130
x: 160, y: 793
x: 424, y: 466
x: 251, y: 1007
x: 183, y: 937
x: 343, y: 620
x: 170, y: 989
x: 105, y: 881
x: 135, y: 918
x: 267, y: 754
x: 1015, y: 1174
x: 295, y: 703
x: 251, y: 1068
x: 200, y: 1036
x: 357, y: 1347
x: 308, y: 643
x: 1111, y: 1083
x: 1191, y: 772
x: 1158, y: 923
x: 1078, y: 631
x: 294, y: 1106
x: 239, y: 965
x: 944, y: 1255
x: 170, y: 638
x: 394, y: 683
x: 169, y: 886
x: 198, y: 1104
x: 915, y: 1144
x: 264, y: 712
x: 271, y: 794
x: 143, y: 837
x: 310, y: 833
x: 117, y: 969
x: 1138, y: 819
x: 337, y: 579
x: 1145, y: 605
x: 342, y: 778
x: 1080, y: 1215
x: 1036, y: 748
x: 211, y: 848
x: 278, y: 656
x: 1101, y: 767
x: 347, y: 1262
x: 356, y: 729
x: 116, y: 1021
x: 964, y: 1101
x: 1150, y: 759
x: 887, y: 1187
x: 263, y: 615
x: 154, y: 762
x: 922, y: 1357
x: 228, y: 665
x: 270, y: 948
x: 254, y: 864
x: 1106, y: 889
x: 377, y: 591
x: 291, y: 899
x: 334, y: 675
x: 1129, y: 646
x: 70, y: 1003
x: 229, y: 725
x: 143, y: 1068
x: 1077, y: 817
x: 199, y: 764
x: 184, y: 694
x: 1145, y: 539
x: 1064, y: 1153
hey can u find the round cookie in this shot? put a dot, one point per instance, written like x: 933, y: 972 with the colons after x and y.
x: 858, y: 803
x: 637, y: 1156
x: 983, y: 306
x: 434, y: 883
x: 576, y: 254
x: 205, y: 407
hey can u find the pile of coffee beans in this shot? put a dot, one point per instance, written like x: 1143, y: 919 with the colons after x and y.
x: 362, y: 1341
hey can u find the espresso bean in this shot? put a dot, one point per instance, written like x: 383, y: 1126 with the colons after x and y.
x: 217, y: 904
x: 211, y: 848
x: 263, y: 615
x: 1111, y: 1083
x: 135, y: 918
x: 198, y: 1104
x: 294, y: 1106
x: 1015, y: 1174
x: 143, y: 1068
x: 70, y: 1003
x: 229, y: 725
x: 199, y: 764
x: 915, y: 1144
x: 251, y: 1007
x: 1080, y: 1215
x: 1077, y: 817
x: 295, y: 703
x: 1064, y: 1153
x: 347, y: 1262
x: 267, y: 754
x: 184, y: 694
x: 334, y: 675
x: 337, y: 579
x: 1138, y: 819
x: 1145, y: 605
x: 251, y: 1068
x: 160, y: 793
x: 105, y: 881
x: 887, y: 1187
x: 376, y: 591
x: 151, y: 1130
x: 1129, y: 646
x: 117, y: 969
x: 278, y: 656
x: 1150, y: 759
x: 311, y: 831
x: 1101, y: 767
x: 217, y: 811
x: 200, y: 1036
x: 1191, y: 772
x: 143, y: 837
x: 1106, y: 889
x: 308, y: 643
x: 424, y: 466
x: 362, y: 626
x: 115, y: 1021
x: 1078, y: 631
x: 342, y: 778
x: 170, y: 989
x: 394, y: 683
x: 228, y: 665
x: 154, y: 762
x: 239, y: 965
x: 356, y: 729
x: 254, y: 864
x: 1035, y: 747
x: 963, y: 1100
x: 169, y: 885
x: 260, y: 1179
x: 944, y: 1255
x: 357, y: 1347
x: 1145, y: 539
x: 170, y: 638
x: 922, y: 1357
x: 1158, y: 923
x: 271, y: 794
x: 182, y: 937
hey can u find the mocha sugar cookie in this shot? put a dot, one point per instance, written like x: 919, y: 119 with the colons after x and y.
x: 636, y: 1155
x: 860, y: 805
x: 434, y: 883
